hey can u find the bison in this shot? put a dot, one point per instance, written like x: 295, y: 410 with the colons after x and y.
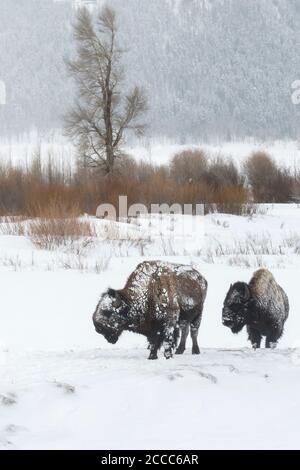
x: 262, y: 305
x: 158, y: 299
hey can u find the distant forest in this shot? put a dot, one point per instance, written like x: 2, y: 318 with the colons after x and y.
x: 211, y: 68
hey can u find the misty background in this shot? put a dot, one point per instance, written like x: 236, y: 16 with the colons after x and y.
x: 212, y: 69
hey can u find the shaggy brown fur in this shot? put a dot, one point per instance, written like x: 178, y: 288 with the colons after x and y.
x: 263, y: 283
x: 157, y: 298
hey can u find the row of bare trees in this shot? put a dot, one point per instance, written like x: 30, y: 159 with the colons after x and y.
x: 265, y: 179
x: 192, y: 177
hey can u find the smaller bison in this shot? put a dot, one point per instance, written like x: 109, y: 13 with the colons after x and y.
x: 262, y: 305
x: 158, y: 299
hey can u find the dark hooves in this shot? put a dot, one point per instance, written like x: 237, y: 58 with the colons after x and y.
x: 179, y: 351
x: 196, y: 351
x: 152, y: 357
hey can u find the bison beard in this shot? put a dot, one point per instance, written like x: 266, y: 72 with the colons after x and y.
x: 237, y: 329
x: 110, y: 336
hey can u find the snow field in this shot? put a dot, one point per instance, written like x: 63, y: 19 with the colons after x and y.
x: 62, y: 386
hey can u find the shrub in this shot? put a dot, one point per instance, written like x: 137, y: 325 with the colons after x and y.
x: 188, y: 166
x: 232, y: 200
x: 58, y: 226
x: 269, y: 183
x: 47, y: 191
x: 12, y: 226
x: 221, y: 174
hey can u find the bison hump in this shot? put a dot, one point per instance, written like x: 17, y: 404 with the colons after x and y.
x: 162, y: 292
x: 262, y: 282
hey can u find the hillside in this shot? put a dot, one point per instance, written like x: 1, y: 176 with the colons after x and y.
x: 211, y: 68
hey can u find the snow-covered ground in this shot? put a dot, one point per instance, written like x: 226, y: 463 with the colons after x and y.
x: 116, y: 399
x: 62, y: 386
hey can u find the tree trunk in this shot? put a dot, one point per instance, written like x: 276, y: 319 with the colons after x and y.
x: 108, y: 123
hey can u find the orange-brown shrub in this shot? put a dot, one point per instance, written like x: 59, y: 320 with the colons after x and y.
x: 231, y: 200
x: 58, y: 225
x: 46, y: 192
x: 189, y: 166
x: 269, y: 182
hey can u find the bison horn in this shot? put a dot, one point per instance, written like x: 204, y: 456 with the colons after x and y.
x: 111, y: 292
x: 116, y: 296
x: 246, y: 292
x: 117, y: 302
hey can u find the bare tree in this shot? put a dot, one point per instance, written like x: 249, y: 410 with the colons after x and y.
x: 104, y: 111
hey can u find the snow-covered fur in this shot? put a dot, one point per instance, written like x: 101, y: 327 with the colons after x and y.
x: 262, y: 305
x: 156, y: 301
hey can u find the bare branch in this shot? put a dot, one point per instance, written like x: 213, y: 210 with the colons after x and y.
x: 136, y: 104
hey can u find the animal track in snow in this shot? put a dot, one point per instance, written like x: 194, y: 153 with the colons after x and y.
x: 8, y: 399
x: 212, y: 378
x: 67, y: 388
x: 175, y: 376
x: 13, y: 429
x: 4, y: 443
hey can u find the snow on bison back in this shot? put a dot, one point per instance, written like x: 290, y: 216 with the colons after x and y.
x: 157, y: 299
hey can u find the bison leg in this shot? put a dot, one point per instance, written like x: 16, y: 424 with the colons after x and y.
x: 195, y: 324
x: 169, y: 339
x: 153, y: 352
x: 271, y: 341
x: 194, y: 336
x: 185, y: 328
x: 254, y: 336
x: 270, y: 344
x: 154, y: 345
x: 273, y: 337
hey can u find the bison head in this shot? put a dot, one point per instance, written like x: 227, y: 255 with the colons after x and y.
x: 235, y: 309
x: 110, y: 318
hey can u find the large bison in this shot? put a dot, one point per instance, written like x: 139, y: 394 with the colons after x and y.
x: 157, y: 300
x: 262, y: 305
